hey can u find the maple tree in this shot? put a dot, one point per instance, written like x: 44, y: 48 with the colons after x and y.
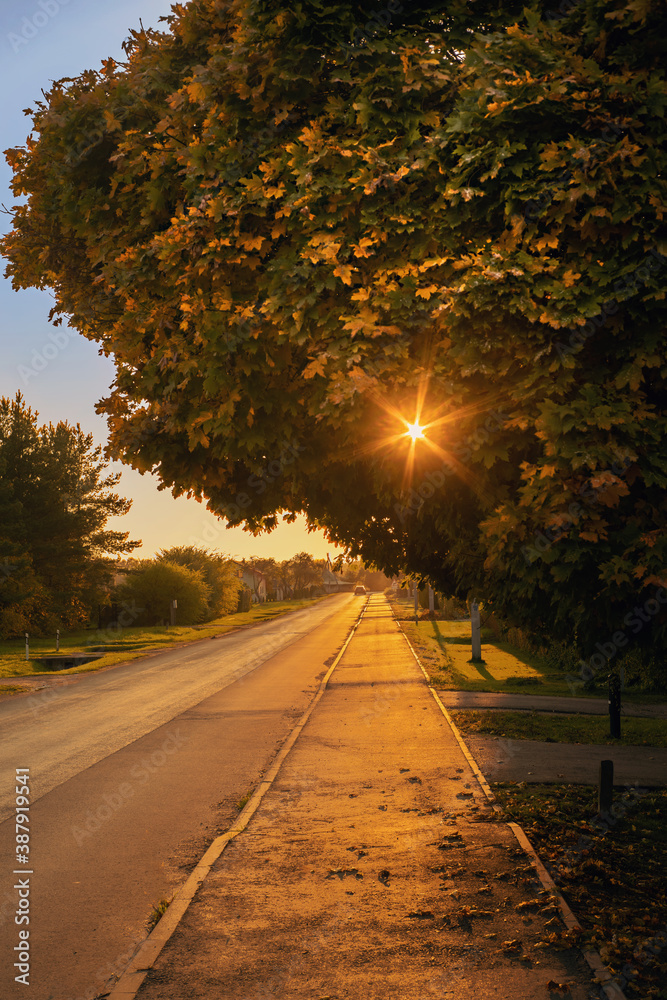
x: 295, y: 230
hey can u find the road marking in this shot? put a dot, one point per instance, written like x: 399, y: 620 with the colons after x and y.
x: 141, y: 964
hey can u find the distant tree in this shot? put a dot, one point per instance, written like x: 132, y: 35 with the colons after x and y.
x: 56, y: 499
x: 303, y: 572
x: 219, y: 573
x: 152, y: 588
x: 279, y: 575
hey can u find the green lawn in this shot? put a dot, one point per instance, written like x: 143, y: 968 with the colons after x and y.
x: 125, y: 644
x: 561, y: 728
x: 444, y: 647
x: 613, y: 874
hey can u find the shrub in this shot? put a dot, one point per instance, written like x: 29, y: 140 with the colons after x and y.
x: 156, y: 584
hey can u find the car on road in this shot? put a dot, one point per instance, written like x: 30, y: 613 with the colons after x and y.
x: 360, y: 591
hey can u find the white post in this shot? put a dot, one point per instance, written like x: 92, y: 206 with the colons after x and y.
x: 57, y: 640
x: 476, y: 632
x: 27, y: 647
x: 431, y: 600
x: 416, y: 604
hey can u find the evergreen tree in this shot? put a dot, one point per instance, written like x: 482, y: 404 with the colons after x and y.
x: 55, y: 501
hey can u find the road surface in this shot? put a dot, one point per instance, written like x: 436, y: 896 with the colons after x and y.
x: 133, y: 771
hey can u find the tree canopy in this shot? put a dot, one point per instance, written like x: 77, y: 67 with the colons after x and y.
x: 298, y: 229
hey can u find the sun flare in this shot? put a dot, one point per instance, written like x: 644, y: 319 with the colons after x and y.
x: 415, y: 431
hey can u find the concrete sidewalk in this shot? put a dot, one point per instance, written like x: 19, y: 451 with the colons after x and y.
x: 374, y: 866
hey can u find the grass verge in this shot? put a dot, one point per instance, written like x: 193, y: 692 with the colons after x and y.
x: 242, y: 802
x: 124, y: 644
x: 612, y: 874
x: 561, y: 728
x: 444, y: 648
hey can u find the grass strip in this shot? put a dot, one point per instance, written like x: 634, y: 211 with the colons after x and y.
x: 554, y: 728
x: 122, y: 644
x: 612, y: 872
x: 444, y: 647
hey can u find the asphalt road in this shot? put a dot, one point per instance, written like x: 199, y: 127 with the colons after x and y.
x: 133, y: 771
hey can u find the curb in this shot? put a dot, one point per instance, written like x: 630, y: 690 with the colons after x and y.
x: 143, y: 960
x: 603, y: 976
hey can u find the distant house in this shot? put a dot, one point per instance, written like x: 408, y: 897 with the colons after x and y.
x: 254, y: 580
x: 335, y: 584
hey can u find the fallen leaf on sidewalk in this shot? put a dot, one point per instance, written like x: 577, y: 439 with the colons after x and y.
x: 341, y: 873
x: 558, y: 987
x: 531, y: 904
x: 421, y: 915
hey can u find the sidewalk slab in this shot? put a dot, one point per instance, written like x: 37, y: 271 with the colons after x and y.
x: 545, y: 703
x: 502, y: 759
x: 374, y: 867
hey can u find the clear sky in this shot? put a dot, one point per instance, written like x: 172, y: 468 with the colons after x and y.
x: 41, y: 41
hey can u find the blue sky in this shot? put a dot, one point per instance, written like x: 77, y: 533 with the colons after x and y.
x: 41, y: 41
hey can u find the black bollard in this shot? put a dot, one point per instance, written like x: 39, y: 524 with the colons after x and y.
x: 614, y: 706
x: 606, y: 787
